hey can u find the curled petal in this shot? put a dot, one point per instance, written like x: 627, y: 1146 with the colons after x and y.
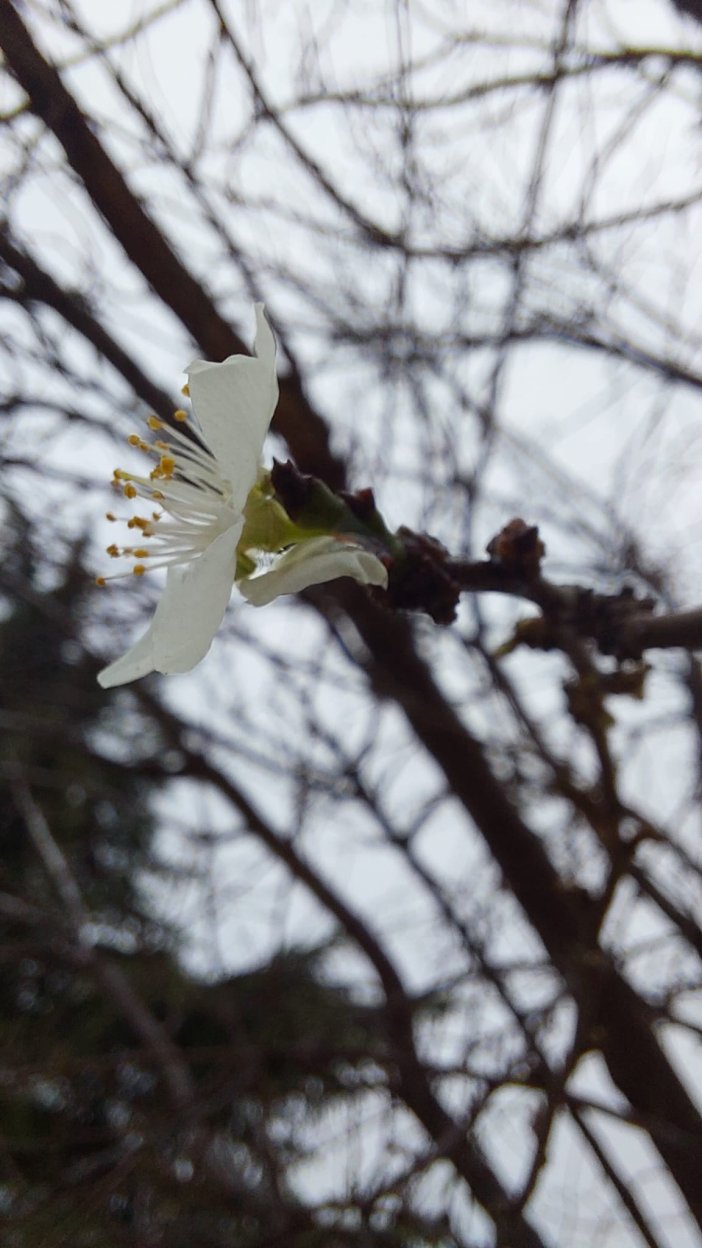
x: 311, y: 563
x: 187, y: 616
x: 138, y: 661
x: 234, y: 403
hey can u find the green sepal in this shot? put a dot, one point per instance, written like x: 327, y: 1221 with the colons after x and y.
x: 267, y: 526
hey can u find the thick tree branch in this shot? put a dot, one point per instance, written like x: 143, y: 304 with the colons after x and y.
x: 620, y: 1024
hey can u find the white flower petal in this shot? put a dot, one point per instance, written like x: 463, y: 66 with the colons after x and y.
x: 234, y: 403
x: 187, y: 617
x: 311, y: 563
x: 138, y: 661
x: 264, y: 342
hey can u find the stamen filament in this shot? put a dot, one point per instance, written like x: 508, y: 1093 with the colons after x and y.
x: 195, y: 500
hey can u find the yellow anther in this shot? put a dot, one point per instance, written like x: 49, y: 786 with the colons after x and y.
x: 101, y: 581
x: 157, y: 496
x: 167, y: 465
x: 140, y: 554
x: 185, y: 390
x: 154, y: 423
x: 138, y: 522
x: 138, y: 569
x: 180, y: 414
x: 134, y: 439
x: 129, y: 491
x: 109, y: 516
x: 118, y: 474
x: 161, y: 446
x: 113, y: 551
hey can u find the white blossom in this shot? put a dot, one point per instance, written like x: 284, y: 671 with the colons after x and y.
x: 200, y: 492
x: 197, y: 495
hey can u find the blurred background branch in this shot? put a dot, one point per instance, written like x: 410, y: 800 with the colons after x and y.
x: 367, y: 931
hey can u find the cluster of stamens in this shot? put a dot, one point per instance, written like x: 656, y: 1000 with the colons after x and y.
x: 192, y: 497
